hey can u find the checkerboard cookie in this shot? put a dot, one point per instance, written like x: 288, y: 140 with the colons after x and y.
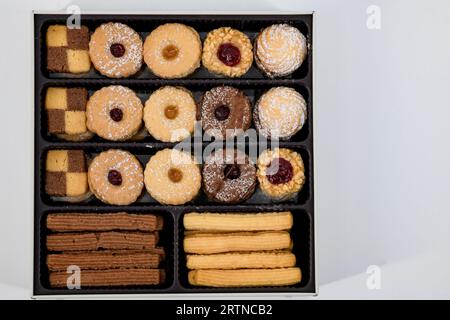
x: 66, y: 113
x: 68, y: 49
x: 66, y: 175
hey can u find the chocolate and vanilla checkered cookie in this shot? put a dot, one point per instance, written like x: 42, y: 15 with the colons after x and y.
x: 68, y: 49
x: 66, y: 113
x: 66, y: 175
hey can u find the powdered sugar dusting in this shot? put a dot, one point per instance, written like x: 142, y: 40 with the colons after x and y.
x: 280, y: 49
x: 99, y: 50
x: 280, y: 113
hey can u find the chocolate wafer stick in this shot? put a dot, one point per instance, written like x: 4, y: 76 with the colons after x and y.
x: 66, y: 222
x: 102, y: 240
x: 103, y: 260
x: 108, y: 278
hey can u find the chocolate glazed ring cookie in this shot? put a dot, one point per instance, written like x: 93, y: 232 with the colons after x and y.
x: 116, y: 177
x: 229, y: 176
x: 116, y: 50
x: 114, y: 113
x: 225, y: 112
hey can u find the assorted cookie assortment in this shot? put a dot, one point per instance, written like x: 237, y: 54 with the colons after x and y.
x: 174, y: 50
x: 112, y: 151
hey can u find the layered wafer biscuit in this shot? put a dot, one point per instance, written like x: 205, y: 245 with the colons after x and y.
x: 252, y: 260
x: 238, y: 221
x: 68, y: 49
x: 239, y: 241
x: 109, y: 278
x: 245, y: 277
x: 69, y: 222
x: 101, y: 240
x: 103, y: 260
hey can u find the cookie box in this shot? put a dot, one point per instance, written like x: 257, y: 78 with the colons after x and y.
x: 253, y: 83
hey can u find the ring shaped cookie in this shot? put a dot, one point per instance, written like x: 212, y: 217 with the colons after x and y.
x: 229, y: 176
x: 169, y: 114
x: 115, y: 177
x: 114, y: 113
x: 225, y: 112
x: 116, y: 50
x: 172, y: 177
x: 173, y: 50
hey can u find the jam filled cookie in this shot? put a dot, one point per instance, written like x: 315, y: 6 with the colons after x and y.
x: 228, y: 176
x: 280, y: 113
x: 280, y: 50
x: 169, y: 114
x: 66, y: 113
x: 281, y: 173
x: 172, y: 177
x: 173, y: 50
x: 67, y: 49
x: 116, y: 50
x: 114, y: 113
x: 115, y: 177
x: 65, y: 176
x: 225, y: 112
x: 228, y: 52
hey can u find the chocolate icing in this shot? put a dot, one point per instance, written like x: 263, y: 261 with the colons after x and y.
x: 240, y: 116
x: 219, y: 186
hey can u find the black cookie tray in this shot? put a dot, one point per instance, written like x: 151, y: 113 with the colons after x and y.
x: 254, y: 83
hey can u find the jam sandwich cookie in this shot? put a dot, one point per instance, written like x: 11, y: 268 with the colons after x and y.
x: 173, y: 50
x: 66, y: 176
x: 115, y: 177
x: 67, y: 49
x: 66, y: 113
x: 227, y: 52
x: 114, y: 113
x: 280, y: 113
x: 280, y: 50
x: 172, y: 177
x: 170, y: 114
x: 116, y: 50
x: 225, y: 112
x: 229, y: 176
x: 281, y: 173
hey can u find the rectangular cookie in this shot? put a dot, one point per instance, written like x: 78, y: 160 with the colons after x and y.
x: 208, y: 243
x: 68, y: 49
x: 109, y: 278
x: 69, y: 222
x: 251, y: 260
x: 245, y: 277
x: 238, y: 221
x: 103, y: 260
x: 102, y: 240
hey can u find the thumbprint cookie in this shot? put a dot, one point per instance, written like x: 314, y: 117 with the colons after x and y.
x: 115, y: 177
x: 114, y: 113
x: 169, y: 114
x: 116, y: 50
x: 173, y: 50
x: 227, y: 52
x: 172, y: 177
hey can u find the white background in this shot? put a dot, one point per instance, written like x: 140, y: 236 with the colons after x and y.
x: 382, y: 114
